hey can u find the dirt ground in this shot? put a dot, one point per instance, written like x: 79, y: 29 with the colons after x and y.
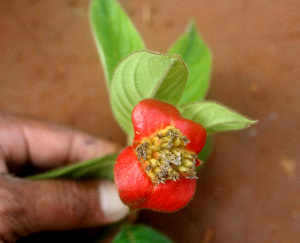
x: 249, y: 190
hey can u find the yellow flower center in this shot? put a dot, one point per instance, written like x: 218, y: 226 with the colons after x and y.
x: 164, y: 157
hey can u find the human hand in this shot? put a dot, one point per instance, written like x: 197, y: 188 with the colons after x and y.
x: 48, y: 205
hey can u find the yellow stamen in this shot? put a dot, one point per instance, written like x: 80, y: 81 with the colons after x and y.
x: 165, y: 157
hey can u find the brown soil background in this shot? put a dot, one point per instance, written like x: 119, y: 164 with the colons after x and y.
x: 249, y: 191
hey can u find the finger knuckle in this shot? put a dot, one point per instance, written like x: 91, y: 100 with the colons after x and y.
x: 78, y: 206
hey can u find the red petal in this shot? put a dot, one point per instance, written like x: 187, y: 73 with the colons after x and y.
x: 132, y: 182
x: 171, y: 196
x: 193, y: 131
x: 137, y: 191
x: 151, y: 115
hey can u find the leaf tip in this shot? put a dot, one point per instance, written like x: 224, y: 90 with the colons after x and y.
x: 252, y: 122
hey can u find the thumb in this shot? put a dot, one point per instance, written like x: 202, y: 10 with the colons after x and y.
x: 51, y: 205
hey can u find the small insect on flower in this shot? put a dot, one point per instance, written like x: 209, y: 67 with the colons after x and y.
x: 158, y: 171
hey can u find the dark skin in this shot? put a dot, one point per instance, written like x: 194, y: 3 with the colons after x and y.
x: 31, y: 206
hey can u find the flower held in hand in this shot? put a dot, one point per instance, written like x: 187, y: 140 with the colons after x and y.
x: 158, y: 171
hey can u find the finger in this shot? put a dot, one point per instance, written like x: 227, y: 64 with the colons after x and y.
x: 63, y: 205
x: 46, y: 145
x: 60, y: 205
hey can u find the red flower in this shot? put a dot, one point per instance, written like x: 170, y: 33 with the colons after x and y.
x: 158, y: 171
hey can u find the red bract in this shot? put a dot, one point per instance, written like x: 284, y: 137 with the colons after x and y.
x: 158, y: 171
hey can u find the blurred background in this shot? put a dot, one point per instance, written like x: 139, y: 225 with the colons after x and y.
x: 249, y: 190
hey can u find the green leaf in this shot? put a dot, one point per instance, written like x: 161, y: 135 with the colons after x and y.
x: 114, y: 34
x: 198, y: 58
x: 92, y: 169
x: 143, y: 75
x: 214, y: 117
x: 140, y: 234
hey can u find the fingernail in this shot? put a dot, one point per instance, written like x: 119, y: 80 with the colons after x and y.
x: 110, y: 203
